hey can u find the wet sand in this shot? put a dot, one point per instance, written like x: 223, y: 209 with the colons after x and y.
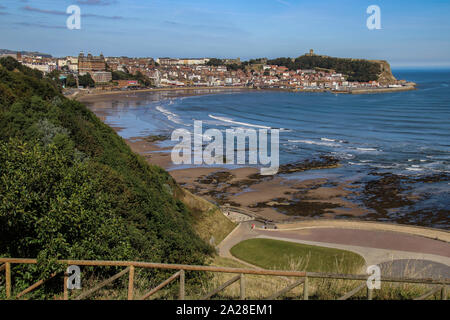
x: 152, y: 94
x: 244, y: 188
x: 239, y: 187
x: 271, y: 197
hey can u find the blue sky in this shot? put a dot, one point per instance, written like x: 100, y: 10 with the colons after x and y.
x: 414, y: 33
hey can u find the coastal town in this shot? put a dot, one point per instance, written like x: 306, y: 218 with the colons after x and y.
x: 87, y: 71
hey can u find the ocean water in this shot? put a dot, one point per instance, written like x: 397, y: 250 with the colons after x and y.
x: 406, y: 133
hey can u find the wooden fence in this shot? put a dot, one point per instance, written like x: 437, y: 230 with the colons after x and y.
x: 130, y: 266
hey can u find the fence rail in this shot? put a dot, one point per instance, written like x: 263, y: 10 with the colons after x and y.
x: 5, y: 264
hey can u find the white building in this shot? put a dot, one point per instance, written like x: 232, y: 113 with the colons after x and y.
x: 62, y: 63
x: 45, y: 68
x: 186, y: 61
x: 73, y: 67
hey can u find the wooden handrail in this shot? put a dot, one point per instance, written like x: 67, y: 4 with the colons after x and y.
x: 353, y: 292
x: 287, y: 289
x: 221, y: 287
x: 151, y: 265
x: 323, y: 275
x: 428, y: 294
x: 131, y: 265
x: 161, y: 285
x: 266, y: 272
x: 101, y: 285
x: 34, y: 286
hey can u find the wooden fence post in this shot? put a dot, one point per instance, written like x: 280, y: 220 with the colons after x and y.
x: 369, y: 294
x: 305, y: 290
x: 444, y: 292
x: 242, y: 282
x: 65, y: 288
x: 131, y: 283
x: 181, y: 294
x: 8, y: 279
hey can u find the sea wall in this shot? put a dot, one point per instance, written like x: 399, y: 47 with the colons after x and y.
x: 381, y: 90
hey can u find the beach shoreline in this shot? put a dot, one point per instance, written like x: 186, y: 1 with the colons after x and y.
x: 101, y: 95
x: 276, y: 198
x: 91, y: 95
x: 242, y: 187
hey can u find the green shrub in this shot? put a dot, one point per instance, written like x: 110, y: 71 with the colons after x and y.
x: 70, y: 187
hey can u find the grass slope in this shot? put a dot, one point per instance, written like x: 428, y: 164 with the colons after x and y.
x: 208, y: 221
x: 275, y: 254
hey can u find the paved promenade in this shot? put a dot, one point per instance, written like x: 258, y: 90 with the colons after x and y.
x: 393, y: 251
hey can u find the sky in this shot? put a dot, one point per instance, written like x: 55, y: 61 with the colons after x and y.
x: 413, y: 33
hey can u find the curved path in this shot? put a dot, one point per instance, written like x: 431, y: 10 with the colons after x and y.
x: 391, y: 250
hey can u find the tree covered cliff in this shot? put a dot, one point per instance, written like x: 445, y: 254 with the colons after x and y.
x: 355, y: 69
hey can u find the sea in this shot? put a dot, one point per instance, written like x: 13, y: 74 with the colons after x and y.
x: 404, y: 133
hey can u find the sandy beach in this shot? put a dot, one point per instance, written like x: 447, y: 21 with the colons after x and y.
x: 272, y: 197
x: 304, y: 189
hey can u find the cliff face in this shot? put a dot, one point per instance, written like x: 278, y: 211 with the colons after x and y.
x: 386, y: 76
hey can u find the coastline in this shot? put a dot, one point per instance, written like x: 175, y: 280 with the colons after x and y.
x: 277, y: 198
x: 100, y: 95
x: 244, y: 188
x: 90, y: 95
x: 273, y: 198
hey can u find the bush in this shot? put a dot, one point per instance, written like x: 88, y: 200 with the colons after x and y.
x: 70, y: 187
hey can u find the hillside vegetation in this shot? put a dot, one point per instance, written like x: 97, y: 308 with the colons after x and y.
x: 209, y: 222
x: 355, y: 69
x: 70, y: 188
